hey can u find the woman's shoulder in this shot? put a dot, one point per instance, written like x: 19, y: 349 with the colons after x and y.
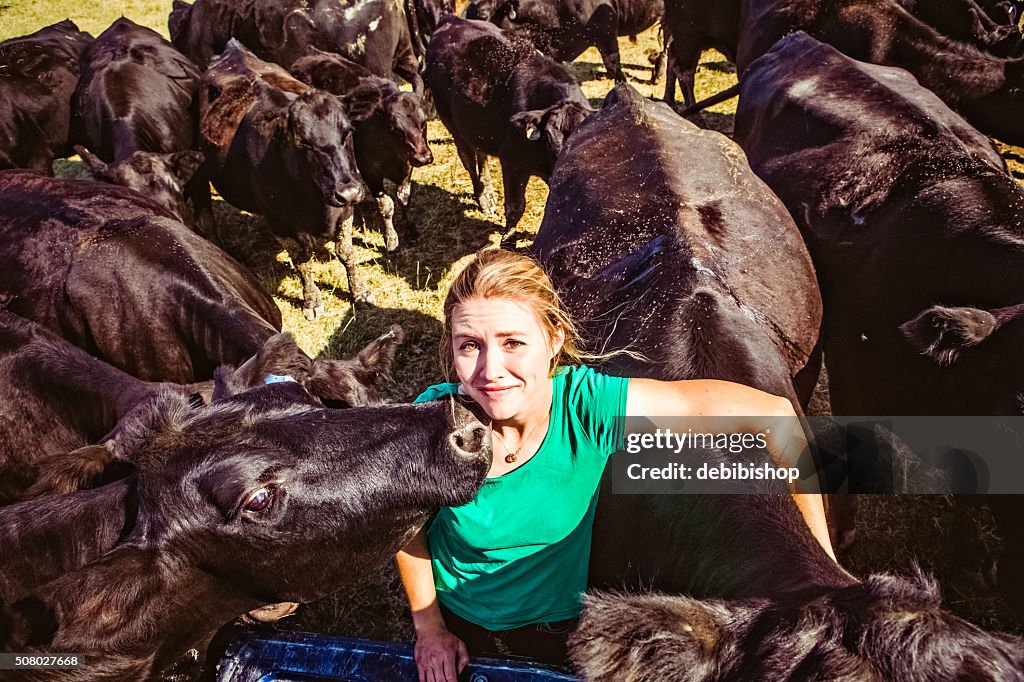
x: 436, y: 392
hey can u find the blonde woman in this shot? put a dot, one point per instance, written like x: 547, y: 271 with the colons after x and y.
x: 504, y: 573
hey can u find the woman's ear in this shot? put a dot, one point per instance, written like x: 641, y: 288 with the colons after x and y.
x: 557, y: 340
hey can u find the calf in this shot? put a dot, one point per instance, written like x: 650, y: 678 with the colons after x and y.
x: 987, y: 90
x: 389, y: 143
x: 563, y: 29
x: 497, y: 96
x: 38, y: 74
x: 374, y: 33
x: 283, y: 149
x: 692, y: 26
x: 160, y: 177
x: 265, y: 497
x: 114, y: 274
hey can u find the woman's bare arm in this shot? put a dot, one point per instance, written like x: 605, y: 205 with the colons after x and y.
x: 724, y: 399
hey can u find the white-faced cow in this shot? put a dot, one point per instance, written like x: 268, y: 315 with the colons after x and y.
x: 388, y: 143
x: 499, y: 97
x: 114, y: 274
x: 266, y: 497
x: 39, y: 75
x: 707, y: 260
x: 373, y: 33
x: 281, y: 148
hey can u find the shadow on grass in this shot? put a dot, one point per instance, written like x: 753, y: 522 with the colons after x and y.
x: 446, y: 234
x: 719, y: 67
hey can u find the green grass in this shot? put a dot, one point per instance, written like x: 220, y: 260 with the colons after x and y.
x: 892, y: 533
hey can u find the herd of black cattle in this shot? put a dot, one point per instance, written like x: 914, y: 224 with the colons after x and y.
x: 155, y: 486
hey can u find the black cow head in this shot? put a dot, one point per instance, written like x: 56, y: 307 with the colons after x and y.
x: 408, y: 123
x: 160, y: 177
x: 264, y: 498
x: 551, y: 126
x: 286, y: 499
x: 319, y: 131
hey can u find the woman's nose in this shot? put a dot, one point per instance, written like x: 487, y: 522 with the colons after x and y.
x: 490, y: 365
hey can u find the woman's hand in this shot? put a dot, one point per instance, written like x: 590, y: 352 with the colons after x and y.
x: 440, y: 655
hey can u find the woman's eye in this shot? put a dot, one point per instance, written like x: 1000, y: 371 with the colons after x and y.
x: 513, y: 343
x: 468, y: 346
x: 260, y: 500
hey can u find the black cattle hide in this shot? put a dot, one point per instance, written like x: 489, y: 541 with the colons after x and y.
x: 40, y: 74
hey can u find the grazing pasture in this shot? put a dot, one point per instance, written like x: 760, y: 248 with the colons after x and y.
x: 956, y: 545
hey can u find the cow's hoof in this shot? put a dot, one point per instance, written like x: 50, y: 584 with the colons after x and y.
x: 314, y: 312
x: 273, y: 612
x: 363, y: 300
x: 391, y: 243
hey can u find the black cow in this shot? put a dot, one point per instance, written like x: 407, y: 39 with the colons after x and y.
x: 280, y: 148
x: 987, y: 90
x: 388, y: 143
x: 160, y: 177
x: 692, y: 26
x: 111, y: 272
x: 879, y: 169
x: 563, y: 29
x: 136, y: 93
x: 373, y: 33
x: 60, y: 401
x: 423, y: 17
x: 499, y: 97
x: 265, y: 497
x: 989, y: 24
x: 699, y: 270
x: 38, y: 74
x: 938, y: 333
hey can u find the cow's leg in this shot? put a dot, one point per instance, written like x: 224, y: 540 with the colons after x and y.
x: 603, y: 28
x: 403, y: 192
x: 386, y: 208
x: 346, y: 254
x: 476, y: 165
x: 301, y: 250
x: 514, y: 181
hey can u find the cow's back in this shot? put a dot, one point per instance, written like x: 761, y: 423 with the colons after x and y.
x: 116, y: 275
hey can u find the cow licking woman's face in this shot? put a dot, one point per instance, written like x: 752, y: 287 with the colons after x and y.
x: 502, y: 356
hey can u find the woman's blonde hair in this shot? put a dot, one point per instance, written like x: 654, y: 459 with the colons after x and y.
x: 497, y: 273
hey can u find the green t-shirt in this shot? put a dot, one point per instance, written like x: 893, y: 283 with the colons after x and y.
x: 518, y: 553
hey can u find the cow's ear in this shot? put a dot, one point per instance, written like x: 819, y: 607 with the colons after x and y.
x: 529, y: 122
x: 943, y: 333
x: 185, y: 164
x: 362, y: 101
x: 69, y: 471
x: 97, y: 167
x: 380, y: 353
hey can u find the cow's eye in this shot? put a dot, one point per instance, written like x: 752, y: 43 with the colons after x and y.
x: 260, y: 500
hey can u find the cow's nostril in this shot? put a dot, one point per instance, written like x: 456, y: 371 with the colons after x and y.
x: 471, y: 440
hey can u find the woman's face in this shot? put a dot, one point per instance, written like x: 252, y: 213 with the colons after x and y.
x: 503, y: 356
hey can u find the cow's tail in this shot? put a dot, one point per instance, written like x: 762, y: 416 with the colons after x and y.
x: 718, y: 98
x: 178, y: 24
